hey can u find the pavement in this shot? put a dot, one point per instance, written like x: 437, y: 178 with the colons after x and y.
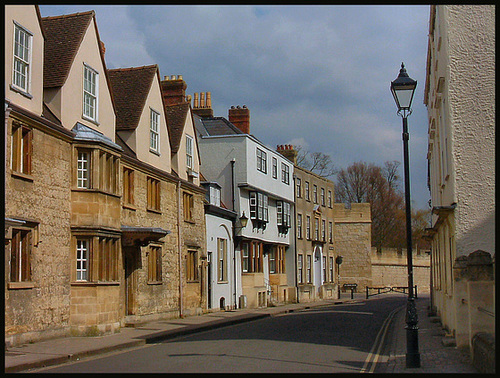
x: 436, y: 353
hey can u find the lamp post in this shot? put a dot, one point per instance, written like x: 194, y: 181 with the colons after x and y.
x: 403, y: 89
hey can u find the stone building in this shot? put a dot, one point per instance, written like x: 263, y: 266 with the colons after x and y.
x: 104, y: 216
x: 314, y: 233
x: 460, y: 99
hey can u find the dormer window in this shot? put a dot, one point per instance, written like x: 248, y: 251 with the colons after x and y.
x: 189, y: 152
x: 90, y: 91
x: 22, y: 58
x: 154, y: 135
x: 214, y: 196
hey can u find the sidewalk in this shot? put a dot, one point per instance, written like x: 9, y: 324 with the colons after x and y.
x: 434, y: 356
x: 437, y: 351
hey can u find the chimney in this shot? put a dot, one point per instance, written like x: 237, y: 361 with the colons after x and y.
x: 103, y: 48
x: 288, y: 151
x: 240, y: 117
x: 173, y: 90
x: 203, y: 108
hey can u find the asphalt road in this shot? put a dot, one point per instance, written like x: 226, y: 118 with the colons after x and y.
x: 345, y: 338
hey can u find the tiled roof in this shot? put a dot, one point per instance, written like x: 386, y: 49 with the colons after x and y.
x: 130, y: 87
x: 84, y: 133
x: 63, y: 36
x: 176, y: 119
x: 219, y: 126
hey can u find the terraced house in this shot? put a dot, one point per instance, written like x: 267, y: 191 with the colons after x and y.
x: 95, y: 186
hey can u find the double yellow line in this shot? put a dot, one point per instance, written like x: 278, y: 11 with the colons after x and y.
x: 373, y: 356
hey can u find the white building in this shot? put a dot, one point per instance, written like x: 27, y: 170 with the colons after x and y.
x: 460, y: 98
x: 256, y: 182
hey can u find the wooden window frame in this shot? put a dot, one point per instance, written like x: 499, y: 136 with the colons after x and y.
x: 22, y: 149
x: 155, y: 264
x: 128, y: 186
x: 308, y: 268
x: 322, y: 196
x: 188, y: 206
x: 285, y: 173
x: 192, y: 266
x: 299, y: 226
x: 245, y: 257
x: 21, y: 250
x: 331, y: 268
x: 275, y: 168
x: 83, y: 173
x: 153, y: 194
x: 307, y: 191
x: 299, y: 187
x: 308, y: 227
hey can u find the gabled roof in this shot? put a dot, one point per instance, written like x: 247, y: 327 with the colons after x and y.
x: 130, y: 87
x: 63, y: 36
x: 176, y: 119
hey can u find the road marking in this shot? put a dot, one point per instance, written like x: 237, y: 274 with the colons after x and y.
x: 379, y: 341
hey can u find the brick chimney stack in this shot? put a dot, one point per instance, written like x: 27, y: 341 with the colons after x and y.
x: 202, y: 107
x: 288, y: 151
x: 173, y: 90
x: 240, y: 117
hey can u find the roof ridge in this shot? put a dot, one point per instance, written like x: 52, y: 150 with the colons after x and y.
x: 92, y: 12
x: 123, y: 69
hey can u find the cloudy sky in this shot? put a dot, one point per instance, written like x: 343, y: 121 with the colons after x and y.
x: 312, y: 75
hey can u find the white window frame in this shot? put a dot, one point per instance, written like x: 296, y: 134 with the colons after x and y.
x: 222, y: 259
x: 299, y: 226
x: 189, y: 151
x: 300, y: 268
x: 21, y: 58
x: 83, y: 170
x: 154, y: 134
x: 82, y: 260
x: 91, y: 93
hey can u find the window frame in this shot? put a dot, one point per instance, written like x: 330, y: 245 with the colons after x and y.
x: 192, y: 266
x: 300, y: 264
x: 21, y: 250
x: 299, y: 187
x: 189, y: 151
x: 285, y: 173
x: 154, y: 131
x: 25, y: 62
x: 261, y: 160
x: 308, y: 227
x: 84, y: 181
x: 222, y: 260
x: 307, y: 191
x: 275, y: 168
x: 128, y: 181
x: 21, y: 149
x: 188, y: 206
x: 153, y: 194
x: 155, y: 264
x: 93, y: 96
x: 299, y: 226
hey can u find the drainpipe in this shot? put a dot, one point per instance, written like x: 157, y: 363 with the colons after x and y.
x: 179, y: 246
x: 234, y: 234
x: 295, y: 237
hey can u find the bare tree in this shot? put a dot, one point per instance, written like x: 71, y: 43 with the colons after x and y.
x: 316, y: 162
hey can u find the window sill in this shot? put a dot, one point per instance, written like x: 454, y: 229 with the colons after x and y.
x: 20, y: 91
x: 155, y: 283
x: 22, y: 176
x: 94, y: 190
x: 222, y: 282
x: 153, y: 211
x: 20, y: 285
x: 157, y: 153
x: 189, y: 221
x: 193, y: 281
x: 129, y: 207
x: 98, y: 283
x: 86, y: 118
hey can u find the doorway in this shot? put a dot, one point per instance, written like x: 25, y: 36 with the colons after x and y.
x: 131, y: 256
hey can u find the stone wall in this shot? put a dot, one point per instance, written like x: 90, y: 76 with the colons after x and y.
x: 352, y: 235
x: 390, y: 268
x: 43, y: 305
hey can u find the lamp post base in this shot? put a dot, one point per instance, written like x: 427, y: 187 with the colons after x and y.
x: 412, y: 351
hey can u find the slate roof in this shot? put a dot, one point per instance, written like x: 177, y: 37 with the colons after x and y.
x: 63, y: 36
x: 130, y: 87
x: 176, y: 119
x: 219, y: 126
x: 86, y: 134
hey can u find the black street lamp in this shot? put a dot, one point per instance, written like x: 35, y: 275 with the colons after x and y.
x: 403, y: 89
